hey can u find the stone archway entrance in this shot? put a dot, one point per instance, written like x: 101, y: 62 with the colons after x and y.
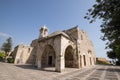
x: 48, y: 57
x: 69, y: 57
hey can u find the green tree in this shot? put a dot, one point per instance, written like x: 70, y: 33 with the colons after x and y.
x: 2, y: 55
x: 111, y: 54
x: 7, y: 46
x: 109, y: 12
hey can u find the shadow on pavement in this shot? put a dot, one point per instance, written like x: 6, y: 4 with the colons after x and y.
x: 27, y: 66
x: 110, y: 70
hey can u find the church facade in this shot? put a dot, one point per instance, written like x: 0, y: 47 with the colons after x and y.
x: 69, y: 48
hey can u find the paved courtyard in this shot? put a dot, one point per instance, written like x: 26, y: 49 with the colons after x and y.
x: 28, y: 72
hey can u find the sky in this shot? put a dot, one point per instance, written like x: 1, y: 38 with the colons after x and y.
x: 22, y: 19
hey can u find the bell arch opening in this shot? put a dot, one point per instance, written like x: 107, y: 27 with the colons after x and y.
x: 48, y: 57
x: 69, y: 57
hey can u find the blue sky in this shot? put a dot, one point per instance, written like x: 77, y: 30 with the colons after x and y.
x: 22, y: 19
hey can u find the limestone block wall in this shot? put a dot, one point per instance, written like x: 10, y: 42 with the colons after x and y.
x: 61, y: 49
x: 55, y: 44
x: 32, y: 57
x: 84, y: 47
x: 86, y: 50
x: 22, y: 54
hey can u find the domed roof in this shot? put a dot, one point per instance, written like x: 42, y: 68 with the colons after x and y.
x: 57, y: 33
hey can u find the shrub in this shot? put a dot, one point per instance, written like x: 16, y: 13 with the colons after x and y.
x: 2, y: 56
x: 10, y: 60
x: 102, y: 62
x: 118, y: 63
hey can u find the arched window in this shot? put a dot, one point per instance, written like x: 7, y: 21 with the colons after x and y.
x: 89, y: 52
x: 28, y: 50
x: 84, y: 58
x: 81, y: 37
x: 90, y: 61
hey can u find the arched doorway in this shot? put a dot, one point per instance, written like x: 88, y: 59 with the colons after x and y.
x: 48, y: 57
x: 69, y: 57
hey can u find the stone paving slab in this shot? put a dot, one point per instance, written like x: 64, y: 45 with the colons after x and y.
x: 28, y: 72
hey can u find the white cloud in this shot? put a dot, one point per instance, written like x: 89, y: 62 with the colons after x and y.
x: 4, y: 35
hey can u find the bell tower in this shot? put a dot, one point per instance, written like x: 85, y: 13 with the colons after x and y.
x: 43, y: 31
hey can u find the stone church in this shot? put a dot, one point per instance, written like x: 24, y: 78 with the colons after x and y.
x: 70, y: 48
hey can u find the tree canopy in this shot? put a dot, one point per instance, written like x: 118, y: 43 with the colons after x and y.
x: 109, y: 12
x: 7, y: 46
